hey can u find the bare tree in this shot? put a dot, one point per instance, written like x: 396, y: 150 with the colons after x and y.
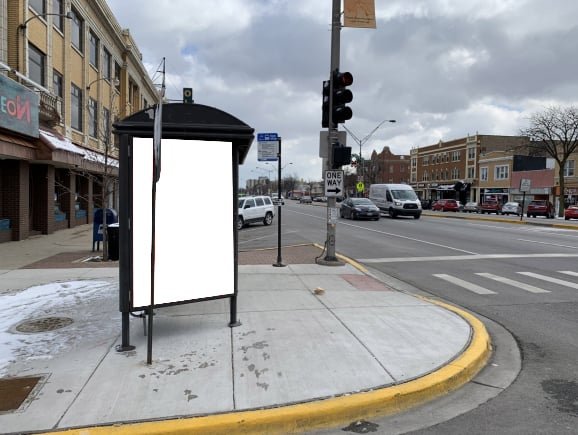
x: 555, y: 132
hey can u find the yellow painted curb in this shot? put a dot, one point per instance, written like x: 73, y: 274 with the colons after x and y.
x: 328, y: 412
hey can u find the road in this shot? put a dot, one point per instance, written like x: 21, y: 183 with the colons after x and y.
x: 522, y: 277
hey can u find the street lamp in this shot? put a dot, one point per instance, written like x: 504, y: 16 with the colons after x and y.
x: 365, y: 139
x: 105, y: 137
x: 279, y: 176
x: 22, y: 27
x: 268, y: 174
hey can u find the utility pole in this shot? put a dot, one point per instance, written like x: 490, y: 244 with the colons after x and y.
x: 332, y: 137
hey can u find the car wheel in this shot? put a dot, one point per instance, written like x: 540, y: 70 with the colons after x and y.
x: 567, y: 218
x: 268, y: 219
x: 341, y: 213
x: 240, y: 223
x: 392, y: 213
x: 416, y: 216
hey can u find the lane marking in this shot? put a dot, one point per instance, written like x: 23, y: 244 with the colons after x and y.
x: 513, y: 283
x: 550, y: 279
x: 465, y: 284
x: 547, y: 243
x: 461, y: 257
x: 568, y: 272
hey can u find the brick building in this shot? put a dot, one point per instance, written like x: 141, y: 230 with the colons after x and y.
x: 436, y: 169
x: 67, y: 72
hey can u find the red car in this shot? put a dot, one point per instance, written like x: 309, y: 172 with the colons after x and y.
x: 491, y: 206
x: 571, y: 212
x: 540, y: 208
x: 445, y: 205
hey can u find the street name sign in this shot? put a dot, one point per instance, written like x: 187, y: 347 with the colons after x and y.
x: 268, y: 147
x: 333, y: 183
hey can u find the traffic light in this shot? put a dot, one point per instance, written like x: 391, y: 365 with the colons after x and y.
x: 341, y: 96
x: 340, y: 156
x: 325, y: 105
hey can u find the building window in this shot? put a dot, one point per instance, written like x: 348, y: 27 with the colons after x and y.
x: 425, y: 160
x: 425, y: 176
x: 76, y: 30
x: 38, y: 5
x: 106, y: 64
x: 92, y: 117
x: 471, y: 172
x: 58, y: 9
x: 455, y: 156
x: 471, y: 153
x: 484, y: 174
x: 75, y: 107
x: 455, y: 173
x: 501, y: 172
x: 117, y: 70
x: 94, y: 45
x: 37, y: 62
x: 569, y: 168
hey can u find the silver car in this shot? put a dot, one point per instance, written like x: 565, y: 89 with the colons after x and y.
x: 512, y: 208
x: 472, y: 207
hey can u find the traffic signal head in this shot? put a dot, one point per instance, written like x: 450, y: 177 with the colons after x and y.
x: 325, y: 104
x: 340, y: 156
x: 341, y: 96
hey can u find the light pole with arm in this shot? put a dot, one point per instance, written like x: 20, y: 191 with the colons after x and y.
x: 361, y: 142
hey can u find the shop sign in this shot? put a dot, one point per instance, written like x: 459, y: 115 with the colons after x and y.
x: 18, y: 107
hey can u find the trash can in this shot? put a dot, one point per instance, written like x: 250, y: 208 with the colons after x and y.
x: 112, y: 237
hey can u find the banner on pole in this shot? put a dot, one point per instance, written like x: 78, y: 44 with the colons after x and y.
x: 359, y: 13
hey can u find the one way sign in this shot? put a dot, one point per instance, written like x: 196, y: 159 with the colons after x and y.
x: 333, y: 183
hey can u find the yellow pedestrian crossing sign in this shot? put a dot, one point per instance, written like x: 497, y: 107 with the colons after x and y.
x: 360, y: 186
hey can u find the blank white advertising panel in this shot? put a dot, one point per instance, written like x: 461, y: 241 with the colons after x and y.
x: 194, y: 252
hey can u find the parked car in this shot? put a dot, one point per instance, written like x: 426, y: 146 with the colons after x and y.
x: 276, y: 200
x: 320, y: 199
x: 359, y: 208
x: 472, y: 207
x: 571, y: 212
x: 445, y: 205
x: 491, y: 206
x: 255, y: 209
x: 540, y: 207
x: 512, y: 208
x: 305, y: 200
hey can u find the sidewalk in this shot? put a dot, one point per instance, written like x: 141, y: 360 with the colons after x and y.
x: 318, y: 346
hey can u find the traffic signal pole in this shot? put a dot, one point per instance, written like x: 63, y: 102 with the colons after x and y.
x: 330, y: 258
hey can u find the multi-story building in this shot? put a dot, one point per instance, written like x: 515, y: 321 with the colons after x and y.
x: 68, y: 71
x: 386, y: 167
x: 437, y: 169
x: 502, y: 172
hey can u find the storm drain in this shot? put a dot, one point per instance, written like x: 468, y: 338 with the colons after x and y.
x: 14, y: 391
x: 44, y: 324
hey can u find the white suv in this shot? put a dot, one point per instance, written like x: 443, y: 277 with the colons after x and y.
x: 255, y: 209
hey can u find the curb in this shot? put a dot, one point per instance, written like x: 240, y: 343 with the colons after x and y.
x: 566, y: 226
x: 329, y: 412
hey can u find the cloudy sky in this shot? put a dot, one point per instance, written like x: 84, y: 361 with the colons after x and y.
x: 442, y: 69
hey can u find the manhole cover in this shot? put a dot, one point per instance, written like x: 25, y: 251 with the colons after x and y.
x: 44, y: 324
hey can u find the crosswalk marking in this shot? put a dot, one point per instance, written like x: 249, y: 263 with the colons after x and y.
x: 465, y: 284
x: 550, y: 279
x: 568, y: 272
x: 513, y: 283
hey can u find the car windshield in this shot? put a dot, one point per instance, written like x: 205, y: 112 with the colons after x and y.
x: 361, y: 201
x: 511, y: 204
x: 539, y: 202
x: 404, y: 194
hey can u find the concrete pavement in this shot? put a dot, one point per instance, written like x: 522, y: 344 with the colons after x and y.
x: 318, y: 347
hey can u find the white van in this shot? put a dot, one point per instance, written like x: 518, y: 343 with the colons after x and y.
x: 396, y: 200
